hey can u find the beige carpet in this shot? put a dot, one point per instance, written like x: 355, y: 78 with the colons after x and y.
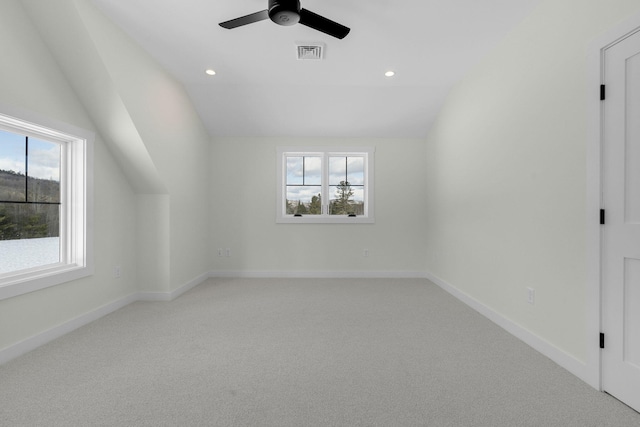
x: 272, y: 352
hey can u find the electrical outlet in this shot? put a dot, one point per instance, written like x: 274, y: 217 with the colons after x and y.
x: 365, y: 253
x: 531, y: 296
x: 117, y: 271
x: 227, y: 252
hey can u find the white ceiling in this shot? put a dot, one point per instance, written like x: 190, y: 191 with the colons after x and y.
x: 261, y: 89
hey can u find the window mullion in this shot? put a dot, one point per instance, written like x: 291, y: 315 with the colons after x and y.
x: 325, y: 184
x: 65, y: 214
x: 26, y: 168
x: 346, y: 169
x: 284, y: 183
x: 365, y: 184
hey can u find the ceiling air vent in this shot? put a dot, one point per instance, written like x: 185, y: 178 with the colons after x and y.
x: 310, y: 51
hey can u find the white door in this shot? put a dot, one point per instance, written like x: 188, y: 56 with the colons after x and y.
x: 621, y: 232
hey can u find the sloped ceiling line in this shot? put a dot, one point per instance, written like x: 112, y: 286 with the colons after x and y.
x: 68, y: 34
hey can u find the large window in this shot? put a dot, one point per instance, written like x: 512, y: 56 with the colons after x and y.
x: 325, y: 185
x: 44, y: 205
x: 29, y: 202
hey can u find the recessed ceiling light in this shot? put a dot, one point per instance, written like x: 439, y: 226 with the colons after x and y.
x: 390, y: 74
x: 210, y: 72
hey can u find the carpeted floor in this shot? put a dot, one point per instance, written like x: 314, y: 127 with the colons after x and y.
x: 298, y: 352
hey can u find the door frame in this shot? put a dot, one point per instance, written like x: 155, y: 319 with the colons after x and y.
x: 595, y: 134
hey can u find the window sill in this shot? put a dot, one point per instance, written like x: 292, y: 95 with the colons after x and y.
x: 311, y: 219
x: 14, y: 284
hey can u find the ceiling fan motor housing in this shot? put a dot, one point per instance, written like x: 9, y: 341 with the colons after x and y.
x: 284, y: 12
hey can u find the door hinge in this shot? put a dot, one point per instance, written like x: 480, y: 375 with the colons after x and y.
x: 601, y: 340
x: 601, y: 216
x: 602, y: 92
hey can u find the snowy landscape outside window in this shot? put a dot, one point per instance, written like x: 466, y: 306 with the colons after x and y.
x: 45, y: 203
x: 29, y: 202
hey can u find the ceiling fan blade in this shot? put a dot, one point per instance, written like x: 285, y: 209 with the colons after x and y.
x: 244, y: 20
x: 320, y: 23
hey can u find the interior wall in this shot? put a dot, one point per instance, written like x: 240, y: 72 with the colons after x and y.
x: 507, y: 174
x: 177, y: 143
x: 152, y: 129
x: 31, y: 80
x: 243, y: 198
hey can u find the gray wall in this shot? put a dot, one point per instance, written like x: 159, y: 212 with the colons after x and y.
x: 243, y: 197
x: 64, y: 60
x: 507, y: 176
x: 493, y: 202
x: 30, y: 79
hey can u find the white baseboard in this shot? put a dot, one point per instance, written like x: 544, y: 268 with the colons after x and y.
x: 573, y: 365
x: 170, y: 296
x: 568, y: 362
x: 49, y: 335
x: 320, y: 274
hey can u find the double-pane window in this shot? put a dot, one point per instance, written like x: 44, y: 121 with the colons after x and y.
x: 330, y: 186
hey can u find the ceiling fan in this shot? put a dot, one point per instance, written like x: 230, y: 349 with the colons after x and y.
x: 289, y: 12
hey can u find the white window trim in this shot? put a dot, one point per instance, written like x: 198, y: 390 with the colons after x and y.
x: 367, y: 152
x: 76, y: 195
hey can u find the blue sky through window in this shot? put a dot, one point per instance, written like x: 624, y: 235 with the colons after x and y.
x: 304, y: 176
x: 44, y: 156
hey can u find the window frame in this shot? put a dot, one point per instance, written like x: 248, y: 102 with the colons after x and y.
x: 76, y: 211
x: 325, y: 152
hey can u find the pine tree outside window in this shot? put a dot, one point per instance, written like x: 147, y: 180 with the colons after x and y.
x: 320, y: 185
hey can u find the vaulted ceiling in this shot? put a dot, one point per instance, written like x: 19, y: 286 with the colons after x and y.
x: 261, y: 89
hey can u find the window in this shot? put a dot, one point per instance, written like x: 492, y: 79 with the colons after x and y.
x: 44, y: 205
x: 325, y: 185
